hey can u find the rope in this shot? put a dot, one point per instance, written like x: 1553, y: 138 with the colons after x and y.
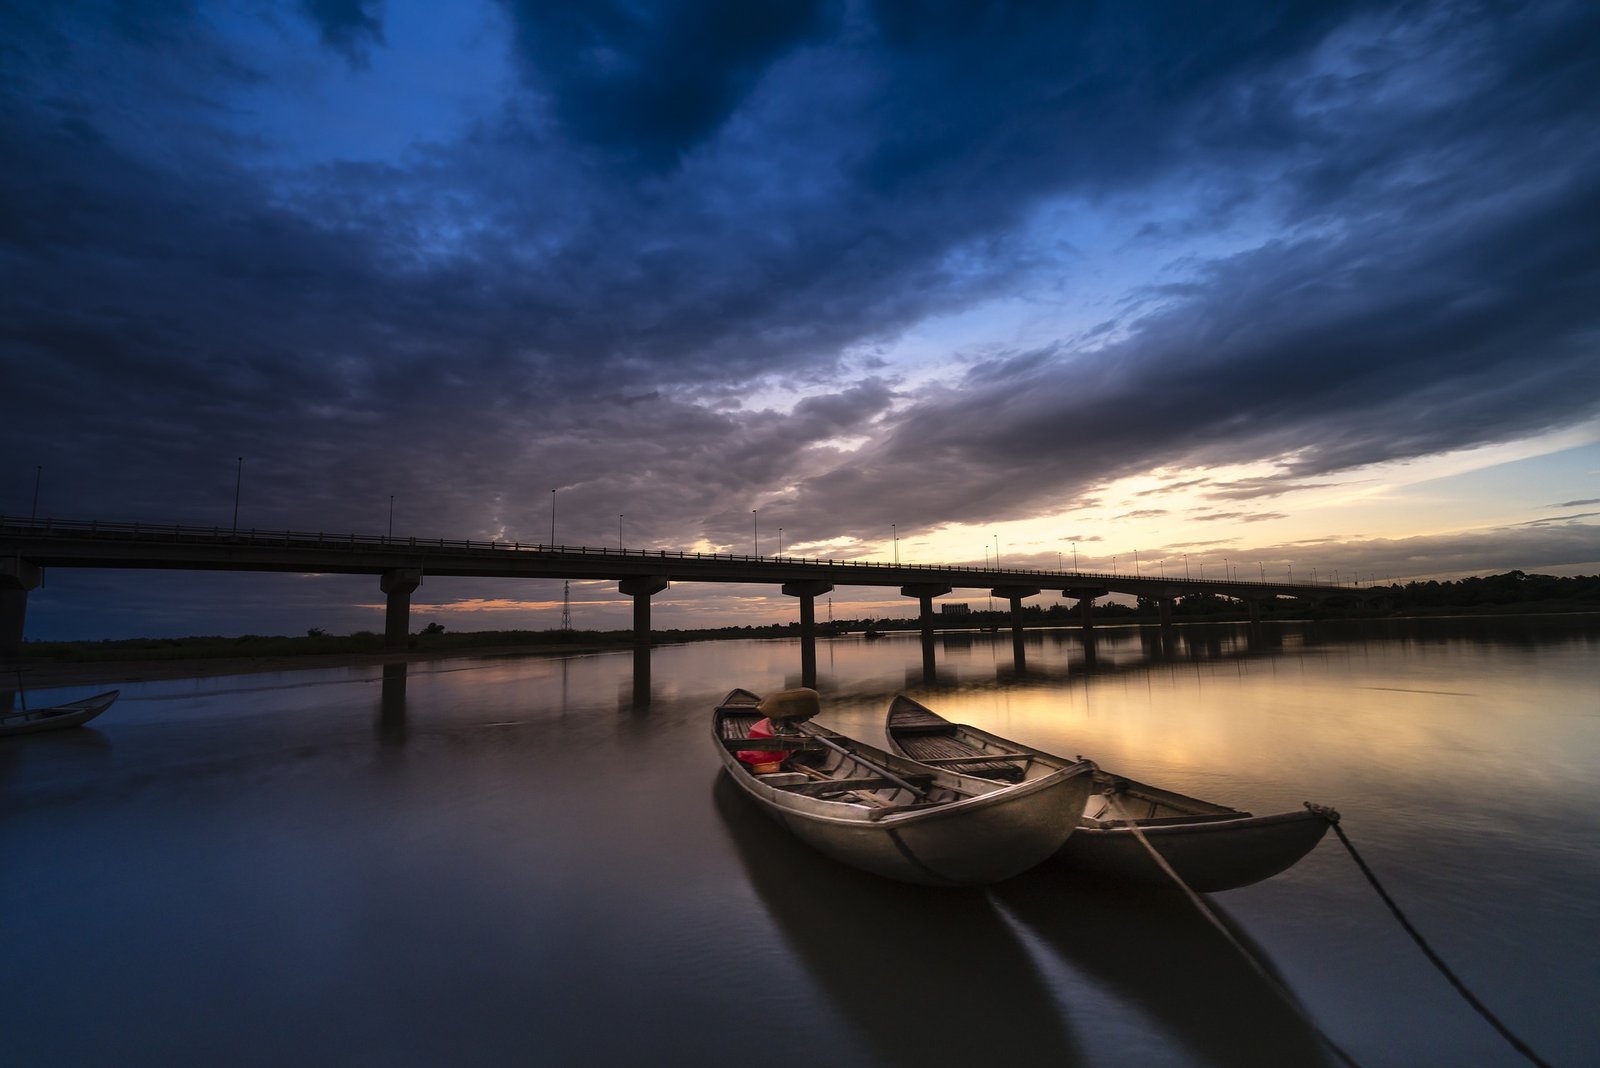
x: 1505, y: 1032
x: 1205, y: 910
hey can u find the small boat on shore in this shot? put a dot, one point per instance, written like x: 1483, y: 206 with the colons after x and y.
x: 1210, y: 846
x: 886, y: 814
x: 56, y: 717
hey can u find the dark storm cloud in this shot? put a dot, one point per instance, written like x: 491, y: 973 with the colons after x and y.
x: 1441, y: 299
x: 649, y: 82
x: 347, y: 26
x: 683, y: 206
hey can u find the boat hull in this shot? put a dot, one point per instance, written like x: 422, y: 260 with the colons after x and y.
x: 1210, y: 856
x: 999, y: 832
x: 1211, y: 847
x: 972, y: 846
x: 57, y: 717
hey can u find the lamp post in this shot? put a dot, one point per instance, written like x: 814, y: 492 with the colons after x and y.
x: 1136, y: 563
x: 238, y: 479
x: 1074, y: 556
x: 894, y: 534
x: 391, y: 515
x: 1226, y: 573
x: 38, y: 473
x: 552, y: 517
x: 755, y: 526
x: 1185, y: 565
x: 997, y: 552
x: 780, y: 542
x: 619, y: 532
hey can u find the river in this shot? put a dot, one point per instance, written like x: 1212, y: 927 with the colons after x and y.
x: 538, y: 861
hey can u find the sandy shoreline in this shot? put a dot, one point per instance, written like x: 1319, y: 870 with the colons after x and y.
x: 111, y: 673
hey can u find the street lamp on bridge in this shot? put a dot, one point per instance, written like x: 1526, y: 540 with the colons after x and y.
x: 238, y: 480
x: 755, y: 526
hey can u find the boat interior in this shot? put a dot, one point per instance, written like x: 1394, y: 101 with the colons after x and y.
x: 829, y: 772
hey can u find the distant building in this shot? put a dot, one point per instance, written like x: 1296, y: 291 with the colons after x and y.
x: 954, y: 609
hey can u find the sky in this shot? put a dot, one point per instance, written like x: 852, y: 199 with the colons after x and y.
x: 1170, y: 286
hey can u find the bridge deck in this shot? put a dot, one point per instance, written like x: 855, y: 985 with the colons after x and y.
x: 94, y: 543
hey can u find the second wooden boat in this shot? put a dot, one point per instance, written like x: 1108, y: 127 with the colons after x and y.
x: 1210, y: 846
x: 889, y: 815
x: 56, y: 717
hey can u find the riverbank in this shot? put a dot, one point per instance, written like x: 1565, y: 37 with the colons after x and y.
x: 59, y: 665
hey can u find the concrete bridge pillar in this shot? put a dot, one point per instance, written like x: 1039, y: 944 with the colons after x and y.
x: 925, y: 592
x: 1255, y: 612
x: 807, y: 592
x: 1164, y: 607
x: 1015, y: 594
x: 641, y: 588
x: 1085, y: 596
x: 398, y: 585
x: 17, y: 577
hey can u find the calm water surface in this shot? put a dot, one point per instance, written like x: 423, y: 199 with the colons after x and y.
x: 521, y: 862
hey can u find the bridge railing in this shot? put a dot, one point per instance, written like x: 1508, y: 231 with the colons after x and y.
x: 177, y: 533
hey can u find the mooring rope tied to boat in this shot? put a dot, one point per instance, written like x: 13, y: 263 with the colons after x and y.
x: 1205, y: 910
x: 1416, y: 936
x: 1273, y: 982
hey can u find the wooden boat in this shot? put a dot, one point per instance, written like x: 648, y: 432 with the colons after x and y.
x: 71, y: 714
x: 892, y: 816
x: 1211, y: 847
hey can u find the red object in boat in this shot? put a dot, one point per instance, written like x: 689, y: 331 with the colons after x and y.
x: 762, y: 757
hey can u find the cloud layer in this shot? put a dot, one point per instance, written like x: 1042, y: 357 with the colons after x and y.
x: 682, y: 263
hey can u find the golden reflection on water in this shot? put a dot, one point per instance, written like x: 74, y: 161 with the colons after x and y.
x: 534, y: 849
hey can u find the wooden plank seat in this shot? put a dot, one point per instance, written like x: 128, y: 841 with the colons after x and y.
x: 823, y: 787
x: 975, y: 758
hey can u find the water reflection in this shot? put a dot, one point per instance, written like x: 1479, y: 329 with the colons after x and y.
x: 905, y: 966
x: 1155, y: 950
x: 539, y: 873
x: 640, y: 695
x: 392, y: 706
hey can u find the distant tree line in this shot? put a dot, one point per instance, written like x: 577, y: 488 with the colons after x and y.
x: 1514, y: 591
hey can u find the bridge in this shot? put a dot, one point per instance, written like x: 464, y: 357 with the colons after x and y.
x: 28, y: 545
